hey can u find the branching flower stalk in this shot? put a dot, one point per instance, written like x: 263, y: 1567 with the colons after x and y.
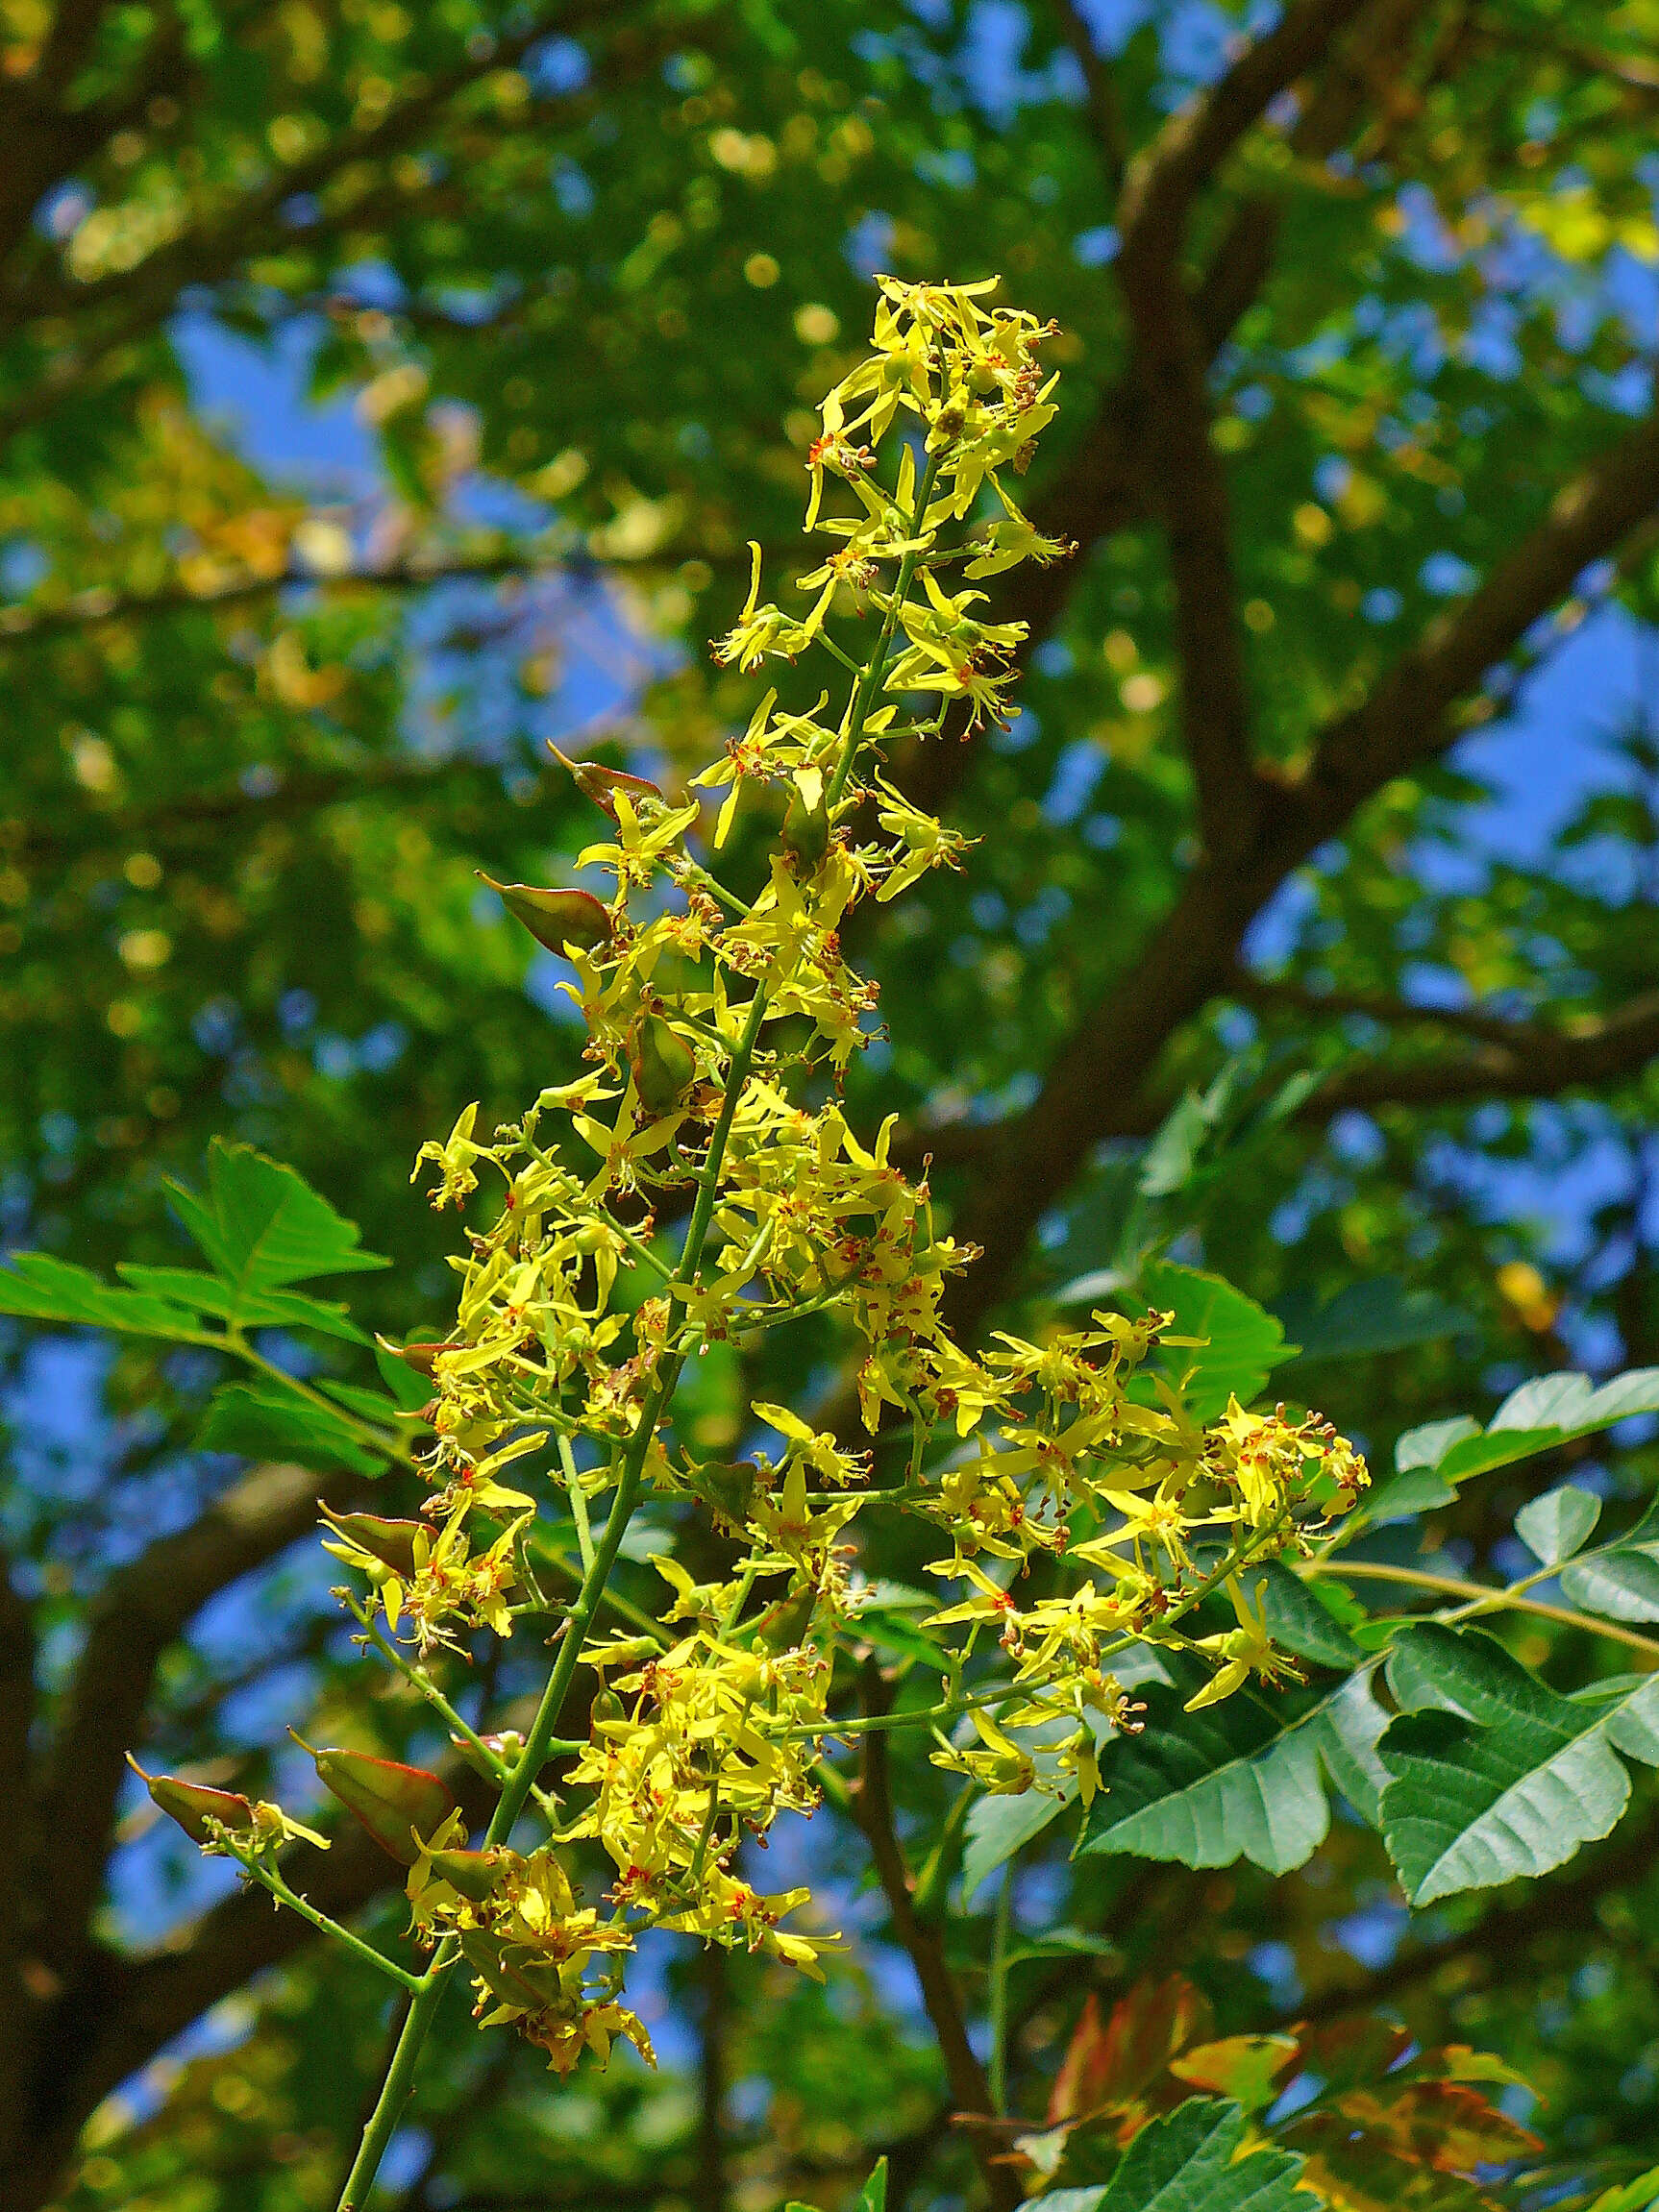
x: 719, y: 1031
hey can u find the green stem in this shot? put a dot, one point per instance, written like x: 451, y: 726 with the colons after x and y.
x: 998, y: 2071
x: 864, y: 693
x: 1480, y: 1601
x: 578, y: 1501
x: 268, y: 1878
x: 419, y: 1679
x: 392, y: 1448
x: 399, y: 2078
x: 400, y: 2075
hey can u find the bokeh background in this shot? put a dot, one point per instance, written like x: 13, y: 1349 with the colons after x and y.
x: 387, y: 391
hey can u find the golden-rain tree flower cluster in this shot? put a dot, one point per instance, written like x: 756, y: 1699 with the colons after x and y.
x: 718, y: 1031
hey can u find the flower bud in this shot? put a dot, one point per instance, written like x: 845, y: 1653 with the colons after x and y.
x: 602, y: 784
x: 514, y: 1975
x: 555, y: 918
x: 391, y: 1543
x: 728, y: 1485
x: 192, y: 1804
x: 806, y: 832
x: 396, y: 1803
x: 475, y: 1874
x: 664, y: 1066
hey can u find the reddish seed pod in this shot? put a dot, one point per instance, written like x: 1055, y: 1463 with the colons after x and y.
x: 602, y: 784
x: 419, y: 1356
x: 555, y: 918
x: 193, y: 1803
x: 391, y: 1543
x: 389, y: 1798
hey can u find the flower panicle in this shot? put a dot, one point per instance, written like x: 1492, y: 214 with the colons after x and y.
x: 710, y: 1021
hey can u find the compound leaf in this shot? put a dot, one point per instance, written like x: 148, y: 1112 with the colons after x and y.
x: 1239, y: 1779
x: 1190, y: 2162
x: 1243, y: 1343
x: 1497, y: 1774
x: 205, y: 1294
x: 264, y: 1421
x: 1558, y: 1524
x: 36, y: 1286
x: 261, y: 1225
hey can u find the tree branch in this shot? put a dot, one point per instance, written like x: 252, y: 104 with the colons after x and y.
x: 93, y: 609
x: 116, y: 2015
x: 1105, y: 118
x: 1407, y: 718
x: 1106, y: 484
x: 131, y: 1624
x: 16, y: 1716
x: 1095, y: 1081
x: 1532, y: 1063
x: 1171, y: 362
x: 210, y: 252
x: 873, y: 1809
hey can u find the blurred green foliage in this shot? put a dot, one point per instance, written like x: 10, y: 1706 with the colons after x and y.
x: 581, y: 276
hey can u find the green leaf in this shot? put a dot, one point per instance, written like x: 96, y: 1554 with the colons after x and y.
x: 1242, y: 2067
x: 265, y: 1421
x: 1551, y: 1410
x: 1622, y: 1585
x: 372, y: 1405
x: 1062, y: 1943
x: 1366, y: 1318
x: 1239, y: 1779
x: 37, y: 1287
x: 246, y: 1308
x: 873, y: 2197
x: 1190, y: 2162
x: 261, y: 1225
x: 1638, y: 2196
x: 1495, y: 1774
x: 1242, y: 1343
x: 998, y: 1826
x: 1296, y: 1619
x: 1428, y: 1445
x: 1558, y: 1524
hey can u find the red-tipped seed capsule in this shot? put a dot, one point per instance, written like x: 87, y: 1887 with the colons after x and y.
x: 389, y: 1798
x: 193, y: 1803
x: 602, y: 784
x: 555, y: 918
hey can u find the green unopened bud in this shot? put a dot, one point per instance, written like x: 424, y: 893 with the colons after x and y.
x: 396, y: 1803
x: 664, y: 1066
x: 602, y: 784
x: 193, y: 1803
x: 391, y: 1543
x: 475, y: 1874
x: 517, y: 1975
x: 555, y: 918
x: 780, y: 1626
x: 606, y: 1706
x: 728, y: 1485
x: 805, y: 831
